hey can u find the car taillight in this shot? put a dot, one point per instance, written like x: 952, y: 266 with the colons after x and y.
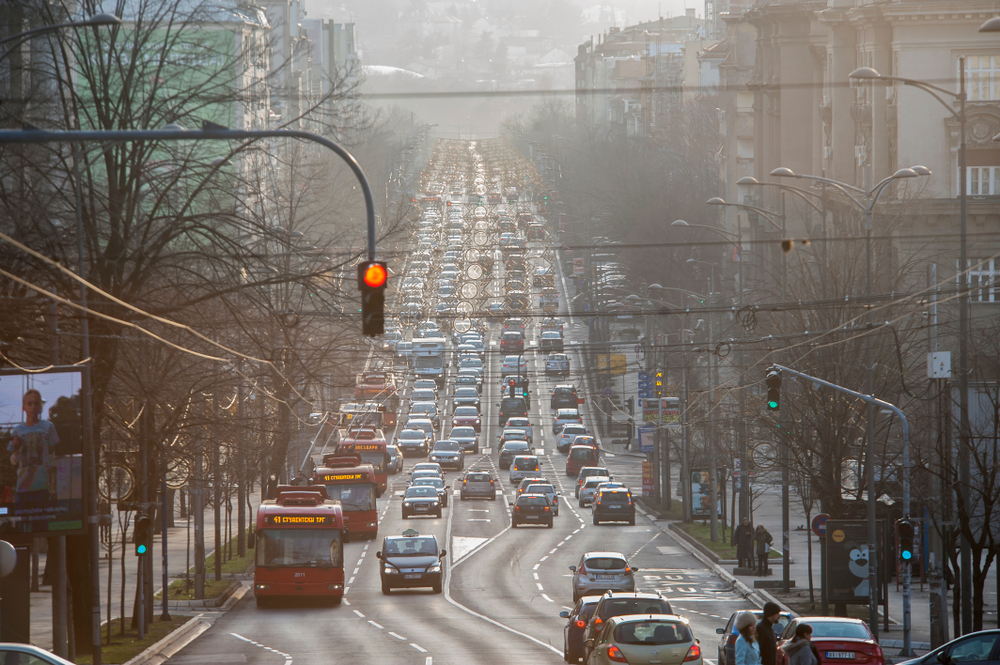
x: 547, y: 509
x: 517, y: 509
x: 628, y: 570
x: 555, y: 499
x: 694, y: 653
x: 598, y: 621
x: 465, y: 480
x: 580, y: 623
x: 615, y: 654
x: 583, y: 571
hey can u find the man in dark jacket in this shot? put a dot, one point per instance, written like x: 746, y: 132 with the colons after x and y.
x: 744, y: 544
x: 765, y: 634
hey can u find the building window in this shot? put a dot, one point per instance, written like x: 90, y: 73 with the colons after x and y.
x: 983, y: 77
x: 983, y: 181
x: 983, y: 280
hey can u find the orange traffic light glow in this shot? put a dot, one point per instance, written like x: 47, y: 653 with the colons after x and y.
x: 375, y: 275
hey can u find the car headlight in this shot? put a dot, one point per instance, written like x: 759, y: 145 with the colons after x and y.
x: 434, y: 503
x: 390, y: 569
x: 436, y: 568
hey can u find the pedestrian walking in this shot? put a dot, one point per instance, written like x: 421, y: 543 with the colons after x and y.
x: 762, y: 538
x: 747, y: 648
x: 744, y: 544
x: 765, y: 634
x: 800, y: 650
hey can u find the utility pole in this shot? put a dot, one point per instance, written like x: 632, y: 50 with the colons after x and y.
x: 198, y: 512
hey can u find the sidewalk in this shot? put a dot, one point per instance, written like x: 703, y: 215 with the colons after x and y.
x: 179, y: 553
x: 767, y: 511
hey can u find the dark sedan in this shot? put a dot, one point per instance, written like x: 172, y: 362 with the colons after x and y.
x: 576, y: 626
x: 411, y: 560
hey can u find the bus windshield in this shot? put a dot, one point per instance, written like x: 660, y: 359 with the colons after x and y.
x: 353, y: 497
x: 320, y: 548
x: 374, y: 457
x: 428, y: 362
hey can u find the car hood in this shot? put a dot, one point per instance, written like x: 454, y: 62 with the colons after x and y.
x: 411, y: 562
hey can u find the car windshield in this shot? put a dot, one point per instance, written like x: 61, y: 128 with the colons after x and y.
x: 428, y: 482
x: 540, y: 489
x: 840, y: 629
x: 467, y: 392
x: 420, y: 491
x: 447, y: 446
x: 463, y: 432
x: 416, y: 546
x: 574, y: 431
x: 605, y: 563
x: 412, y: 434
x: 532, y: 501
x: 466, y: 411
x: 582, y: 453
x: 515, y: 446
x: 652, y: 632
x: 299, y: 547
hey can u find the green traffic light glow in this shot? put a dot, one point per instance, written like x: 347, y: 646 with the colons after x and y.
x: 140, y: 549
x: 906, y: 555
x: 772, y: 404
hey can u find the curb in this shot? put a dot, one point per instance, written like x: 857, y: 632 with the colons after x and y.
x: 160, y: 652
x: 757, y: 596
x: 206, y: 603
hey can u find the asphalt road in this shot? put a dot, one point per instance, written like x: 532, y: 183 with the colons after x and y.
x: 504, y: 587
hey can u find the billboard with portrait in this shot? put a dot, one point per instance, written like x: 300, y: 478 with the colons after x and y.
x: 41, y: 469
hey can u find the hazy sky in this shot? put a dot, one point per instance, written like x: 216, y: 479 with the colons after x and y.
x: 670, y: 7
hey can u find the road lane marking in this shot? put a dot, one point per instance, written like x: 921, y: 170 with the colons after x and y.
x: 539, y: 585
x: 359, y: 614
x: 536, y: 566
x: 547, y: 598
x: 287, y: 657
x: 419, y: 648
x: 536, y: 575
x: 376, y: 625
x: 398, y: 636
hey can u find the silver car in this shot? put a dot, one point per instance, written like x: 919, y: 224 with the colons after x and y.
x: 549, y: 491
x: 590, y: 488
x: 600, y: 572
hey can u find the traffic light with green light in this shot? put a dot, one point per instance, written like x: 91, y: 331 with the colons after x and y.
x: 907, y: 546
x: 773, y: 381
x: 372, y: 277
x: 143, y: 536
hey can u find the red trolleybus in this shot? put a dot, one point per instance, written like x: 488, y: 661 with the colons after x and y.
x: 378, y: 388
x: 353, y: 483
x: 300, y: 540
x: 370, y: 445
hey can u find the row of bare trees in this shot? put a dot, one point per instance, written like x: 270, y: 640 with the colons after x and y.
x: 804, y: 305
x: 220, y: 291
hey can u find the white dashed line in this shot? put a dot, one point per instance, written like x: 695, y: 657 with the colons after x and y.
x: 398, y: 636
x: 287, y: 657
x: 359, y: 614
x: 376, y: 625
x: 418, y: 647
x: 535, y: 575
x: 539, y: 585
x: 544, y: 557
x: 547, y: 598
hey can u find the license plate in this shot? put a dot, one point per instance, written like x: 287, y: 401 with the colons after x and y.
x: 840, y: 655
x: 611, y: 577
x: 412, y: 576
x: 532, y: 517
x: 421, y: 509
x: 615, y: 505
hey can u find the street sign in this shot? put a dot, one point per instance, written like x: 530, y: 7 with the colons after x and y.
x: 647, y: 438
x: 646, y: 394
x: 619, y: 363
x: 578, y: 266
x: 606, y: 392
x: 819, y: 524
x: 647, y: 478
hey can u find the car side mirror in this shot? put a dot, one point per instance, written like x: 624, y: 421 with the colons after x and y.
x: 378, y: 555
x: 589, y: 644
x: 635, y: 570
x: 720, y: 631
x: 497, y: 404
x: 443, y: 554
x: 347, y: 535
x: 573, y: 568
x: 564, y: 614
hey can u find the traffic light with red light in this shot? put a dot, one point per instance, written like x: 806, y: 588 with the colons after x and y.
x: 510, y: 388
x: 372, y: 278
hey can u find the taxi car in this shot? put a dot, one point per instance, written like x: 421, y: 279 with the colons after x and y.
x: 478, y: 483
x: 531, y: 509
x: 411, y: 560
x: 421, y: 500
x: 644, y: 638
x: 602, y: 572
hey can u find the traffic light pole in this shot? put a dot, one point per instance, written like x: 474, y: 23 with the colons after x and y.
x: 874, y: 401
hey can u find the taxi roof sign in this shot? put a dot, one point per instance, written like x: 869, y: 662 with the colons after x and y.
x: 409, y: 533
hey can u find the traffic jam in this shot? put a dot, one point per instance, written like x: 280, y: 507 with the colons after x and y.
x: 467, y: 467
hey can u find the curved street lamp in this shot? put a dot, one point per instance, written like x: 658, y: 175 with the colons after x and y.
x: 92, y: 21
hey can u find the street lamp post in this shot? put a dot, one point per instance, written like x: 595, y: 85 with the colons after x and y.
x: 869, y: 74
x: 712, y: 364
x: 93, y: 21
x: 741, y: 427
x: 866, y: 199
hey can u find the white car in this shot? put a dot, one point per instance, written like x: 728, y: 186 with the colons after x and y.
x: 566, y: 435
x: 522, y: 424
